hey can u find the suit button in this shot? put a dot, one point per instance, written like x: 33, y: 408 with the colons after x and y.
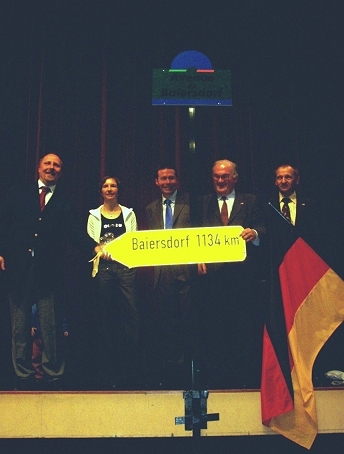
x: 39, y: 219
x: 29, y: 250
x: 36, y: 234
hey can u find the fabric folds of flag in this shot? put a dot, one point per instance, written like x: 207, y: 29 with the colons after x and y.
x: 312, y: 295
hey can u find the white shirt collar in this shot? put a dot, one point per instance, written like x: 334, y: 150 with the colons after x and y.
x: 172, y: 198
x: 228, y: 196
x: 40, y: 184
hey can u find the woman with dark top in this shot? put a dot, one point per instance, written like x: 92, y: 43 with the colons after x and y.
x: 116, y: 298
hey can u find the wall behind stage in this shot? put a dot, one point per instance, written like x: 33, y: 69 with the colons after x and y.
x: 76, y: 79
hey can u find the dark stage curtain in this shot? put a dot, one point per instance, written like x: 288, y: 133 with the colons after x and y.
x: 80, y: 86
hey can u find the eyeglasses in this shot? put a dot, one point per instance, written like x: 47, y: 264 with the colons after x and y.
x: 224, y: 177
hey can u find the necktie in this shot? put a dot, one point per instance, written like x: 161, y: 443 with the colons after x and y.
x: 44, y: 191
x: 285, y: 208
x: 168, y: 214
x: 224, y: 211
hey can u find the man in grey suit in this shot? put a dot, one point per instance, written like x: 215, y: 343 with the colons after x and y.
x: 36, y: 221
x: 229, y: 312
x: 171, y: 282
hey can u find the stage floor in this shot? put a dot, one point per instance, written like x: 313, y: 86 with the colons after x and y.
x: 145, y: 414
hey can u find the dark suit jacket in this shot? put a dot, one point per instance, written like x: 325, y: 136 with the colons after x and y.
x: 24, y: 228
x: 247, y: 212
x: 307, y: 223
x: 181, y: 219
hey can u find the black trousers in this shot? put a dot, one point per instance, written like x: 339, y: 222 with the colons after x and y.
x: 117, y: 320
x: 230, y: 321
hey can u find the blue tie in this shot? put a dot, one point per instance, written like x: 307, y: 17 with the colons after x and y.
x: 168, y: 215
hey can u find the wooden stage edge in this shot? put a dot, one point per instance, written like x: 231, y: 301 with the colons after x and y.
x: 94, y: 414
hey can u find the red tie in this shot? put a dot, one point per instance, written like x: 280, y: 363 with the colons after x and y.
x: 224, y: 211
x: 44, y: 191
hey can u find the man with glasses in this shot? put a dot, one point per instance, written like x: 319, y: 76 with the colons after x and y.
x: 229, y: 312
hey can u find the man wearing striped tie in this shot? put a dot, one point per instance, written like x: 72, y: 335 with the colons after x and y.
x: 310, y: 219
x: 300, y: 211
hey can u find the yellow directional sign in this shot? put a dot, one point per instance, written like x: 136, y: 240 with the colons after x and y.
x: 178, y: 246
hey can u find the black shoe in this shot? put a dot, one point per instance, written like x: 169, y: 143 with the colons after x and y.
x: 155, y: 384
x: 117, y: 386
x: 54, y: 385
x: 39, y: 384
x: 24, y: 384
x: 125, y: 383
x: 176, y: 361
x: 110, y: 384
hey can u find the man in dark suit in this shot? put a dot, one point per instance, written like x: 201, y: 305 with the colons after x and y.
x: 308, y: 220
x: 229, y: 311
x: 36, y: 221
x: 300, y: 211
x: 172, y: 282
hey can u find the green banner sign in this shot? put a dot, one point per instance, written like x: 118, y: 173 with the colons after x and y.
x: 191, y: 87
